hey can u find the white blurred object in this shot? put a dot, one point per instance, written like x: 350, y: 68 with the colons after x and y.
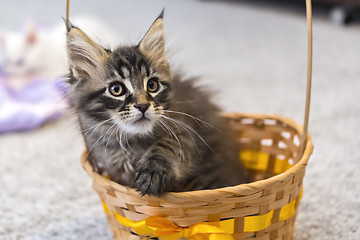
x: 40, y: 52
x: 340, y: 15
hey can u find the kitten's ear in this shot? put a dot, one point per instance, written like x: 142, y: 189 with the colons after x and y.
x: 86, y: 57
x: 31, y: 34
x: 153, y: 43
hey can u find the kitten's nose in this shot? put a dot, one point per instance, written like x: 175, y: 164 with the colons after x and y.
x: 142, y: 107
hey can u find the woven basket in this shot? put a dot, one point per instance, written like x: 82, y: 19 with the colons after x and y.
x: 264, y: 209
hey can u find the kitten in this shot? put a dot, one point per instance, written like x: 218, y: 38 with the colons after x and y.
x: 144, y: 126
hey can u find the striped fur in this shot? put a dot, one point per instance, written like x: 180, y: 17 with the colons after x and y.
x: 143, y: 126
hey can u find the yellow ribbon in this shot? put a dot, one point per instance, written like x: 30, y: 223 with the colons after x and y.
x: 255, y: 160
x: 167, y: 230
x: 257, y: 223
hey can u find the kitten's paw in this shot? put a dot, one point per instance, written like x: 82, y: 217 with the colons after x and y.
x: 152, y: 182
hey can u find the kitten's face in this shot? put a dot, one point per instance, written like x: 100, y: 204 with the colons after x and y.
x: 134, y: 91
x: 130, y: 85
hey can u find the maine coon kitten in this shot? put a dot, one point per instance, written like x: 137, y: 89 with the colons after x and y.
x: 144, y: 126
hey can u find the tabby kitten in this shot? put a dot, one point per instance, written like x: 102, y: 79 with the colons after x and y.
x: 142, y: 125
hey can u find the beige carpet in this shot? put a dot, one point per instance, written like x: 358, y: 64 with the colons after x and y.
x: 253, y: 57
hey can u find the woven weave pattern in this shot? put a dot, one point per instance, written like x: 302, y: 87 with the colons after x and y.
x: 264, y: 209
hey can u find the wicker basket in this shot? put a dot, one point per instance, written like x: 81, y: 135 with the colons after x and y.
x: 264, y: 209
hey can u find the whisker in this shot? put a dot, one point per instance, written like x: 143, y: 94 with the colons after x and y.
x: 126, y: 153
x: 193, y: 117
x: 175, y: 136
x: 86, y: 131
x: 166, y: 130
x: 192, y: 139
x: 106, y: 147
x: 127, y: 143
x: 190, y: 101
x: 100, y: 138
x: 190, y: 128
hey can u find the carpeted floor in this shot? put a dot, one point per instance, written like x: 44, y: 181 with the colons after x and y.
x: 253, y: 57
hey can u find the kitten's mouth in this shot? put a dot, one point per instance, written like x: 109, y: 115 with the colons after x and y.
x: 140, y: 125
x: 141, y: 119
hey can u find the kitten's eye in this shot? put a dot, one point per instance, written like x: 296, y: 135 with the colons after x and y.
x: 153, y: 84
x: 117, y: 89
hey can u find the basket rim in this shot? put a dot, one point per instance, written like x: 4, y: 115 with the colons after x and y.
x: 238, y: 190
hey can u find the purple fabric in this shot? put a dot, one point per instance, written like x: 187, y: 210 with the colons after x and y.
x: 39, y: 101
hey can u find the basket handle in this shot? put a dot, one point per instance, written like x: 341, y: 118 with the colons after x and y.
x: 309, y: 70
x: 309, y: 75
x: 67, y: 13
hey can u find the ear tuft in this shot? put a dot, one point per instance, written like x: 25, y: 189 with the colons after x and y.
x: 86, y: 57
x: 68, y: 25
x: 161, y: 15
x: 153, y: 43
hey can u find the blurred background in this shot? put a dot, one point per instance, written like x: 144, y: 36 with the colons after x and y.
x: 251, y: 54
